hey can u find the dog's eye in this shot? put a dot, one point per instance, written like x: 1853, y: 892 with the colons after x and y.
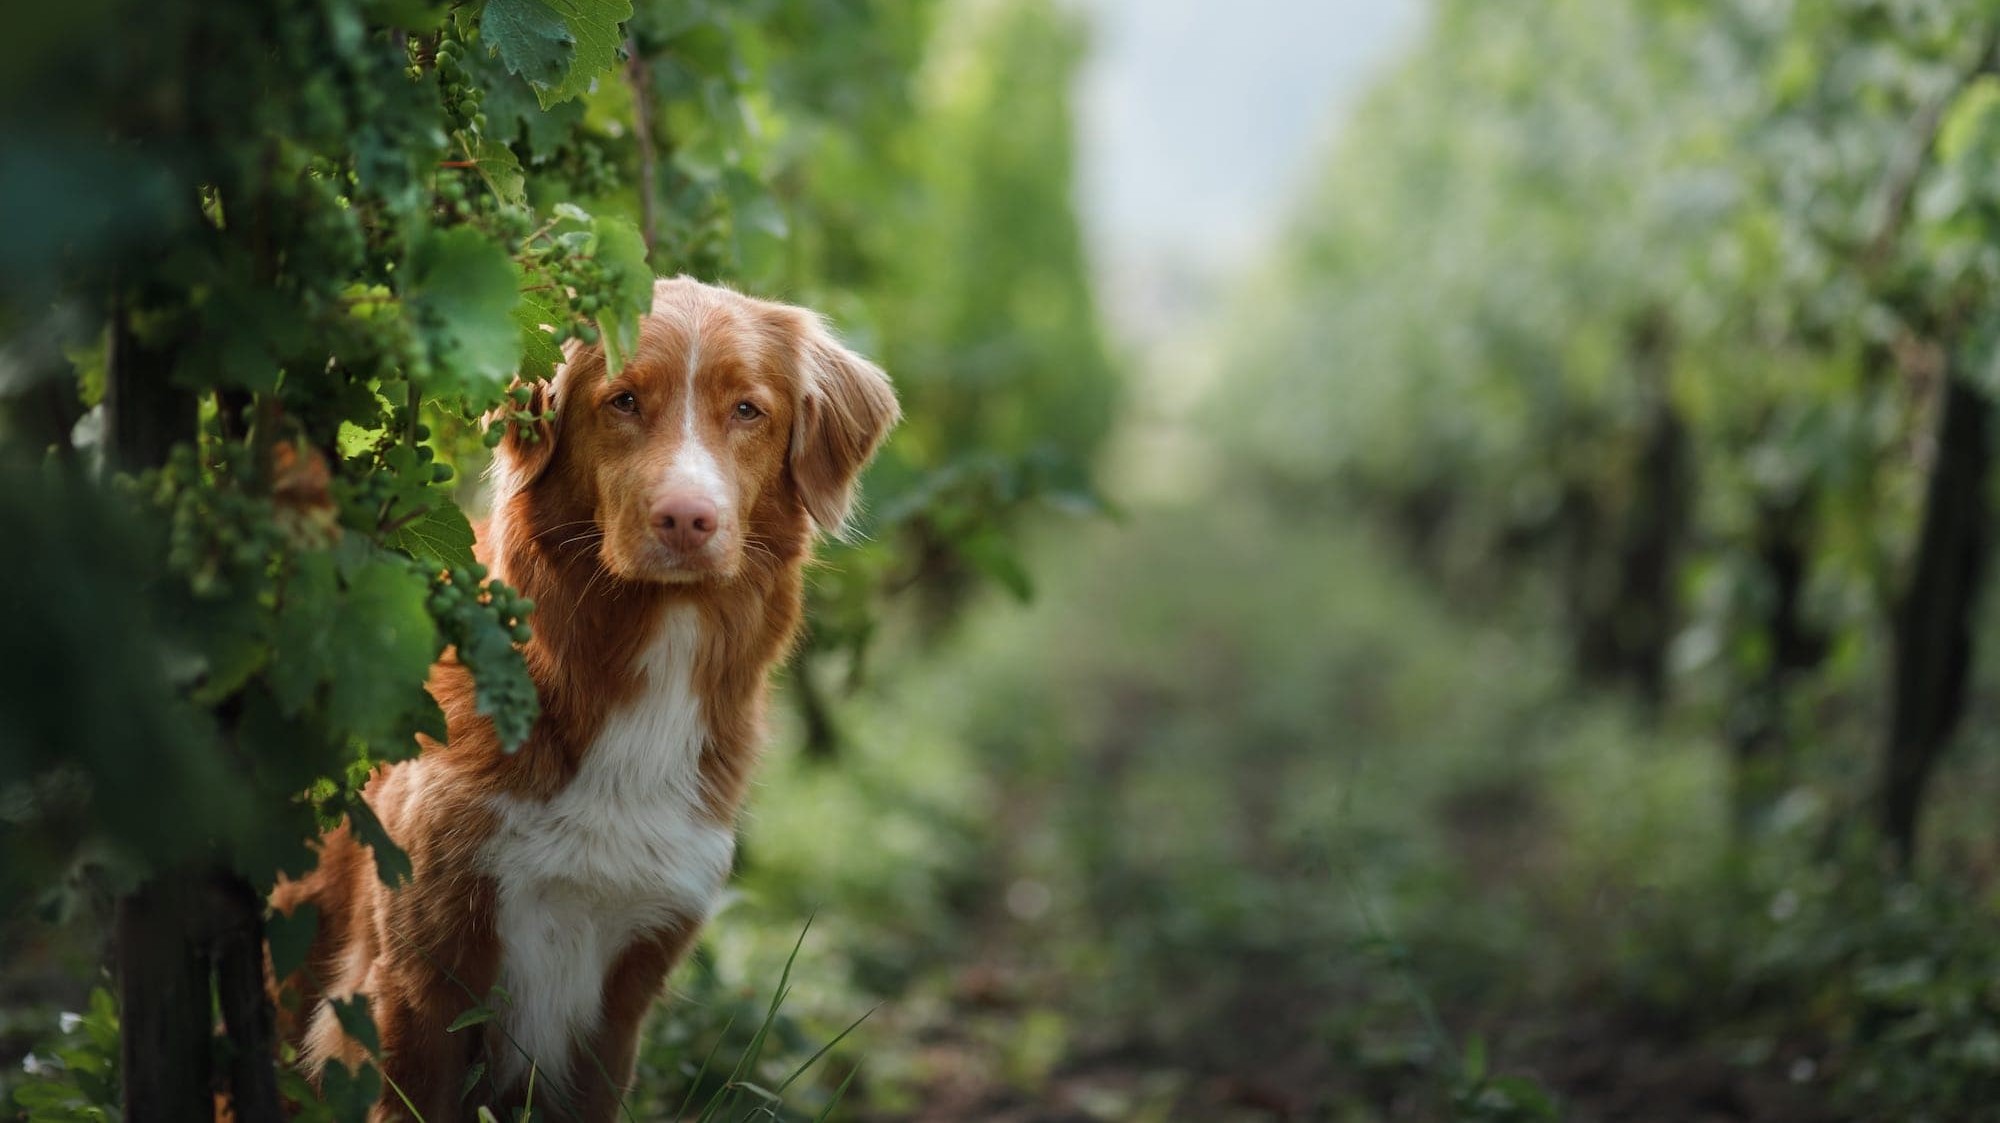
x: 625, y: 402
x: 747, y: 411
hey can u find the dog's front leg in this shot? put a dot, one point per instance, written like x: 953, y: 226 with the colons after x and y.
x: 604, y: 1062
x: 422, y: 1063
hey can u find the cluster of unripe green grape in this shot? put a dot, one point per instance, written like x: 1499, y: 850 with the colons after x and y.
x: 461, y: 97
x: 482, y: 620
x: 463, y: 197
x: 363, y: 493
x: 511, y: 222
x: 519, y: 415
x: 330, y: 244
x: 459, y: 589
x: 454, y: 193
x: 588, y: 168
x: 408, y: 350
x: 438, y: 472
x: 219, y: 534
x: 583, y: 279
x: 376, y: 477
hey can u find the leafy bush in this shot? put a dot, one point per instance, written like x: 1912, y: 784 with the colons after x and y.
x: 299, y: 254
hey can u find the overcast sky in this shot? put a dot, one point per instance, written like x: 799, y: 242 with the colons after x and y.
x: 1199, y: 119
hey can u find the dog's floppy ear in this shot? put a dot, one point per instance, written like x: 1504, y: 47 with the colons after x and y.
x: 845, y: 407
x: 525, y: 446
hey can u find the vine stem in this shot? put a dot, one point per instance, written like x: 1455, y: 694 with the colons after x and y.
x: 642, y: 132
x: 412, y: 401
x: 1901, y: 187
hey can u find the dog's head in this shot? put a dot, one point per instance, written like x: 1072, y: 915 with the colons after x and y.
x: 734, y: 422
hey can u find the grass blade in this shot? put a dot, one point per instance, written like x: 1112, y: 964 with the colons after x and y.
x: 839, y: 1094
x: 826, y: 1048
x: 687, y: 1101
x: 732, y: 1091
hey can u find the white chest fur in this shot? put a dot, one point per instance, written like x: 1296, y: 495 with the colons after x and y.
x: 623, y: 850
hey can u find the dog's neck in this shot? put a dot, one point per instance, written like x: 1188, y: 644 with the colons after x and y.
x: 593, y: 631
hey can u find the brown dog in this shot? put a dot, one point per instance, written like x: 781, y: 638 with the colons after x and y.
x: 661, y: 525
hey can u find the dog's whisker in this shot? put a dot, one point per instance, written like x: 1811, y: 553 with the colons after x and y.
x: 583, y: 598
x: 586, y: 536
x: 760, y: 551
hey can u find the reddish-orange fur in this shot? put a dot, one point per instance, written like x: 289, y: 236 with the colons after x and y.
x: 570, y: 531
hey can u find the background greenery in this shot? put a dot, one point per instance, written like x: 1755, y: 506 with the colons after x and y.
x: 1534, y: 668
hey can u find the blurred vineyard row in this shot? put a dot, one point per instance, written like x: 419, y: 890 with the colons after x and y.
x: 1667, y: 332
x: 1690, y: 307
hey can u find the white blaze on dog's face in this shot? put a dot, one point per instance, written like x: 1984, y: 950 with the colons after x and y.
x: 733, y: 420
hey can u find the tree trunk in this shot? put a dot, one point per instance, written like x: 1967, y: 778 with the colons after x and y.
x: 1758, y: 737
x: 1934, y: 620
x: 1622, y: 560
x: 144, y: 412
x: 163, y: 1002
x: 246, y: 1005
x: 164, y: 928
x: 1655, y: 525
x: 1588, y: 588
x: 822, y: 734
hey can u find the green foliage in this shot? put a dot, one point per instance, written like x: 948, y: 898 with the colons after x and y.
x: 1479, y: 1096
x: 461, y: 296
x: 82, y: 703
x: 74, y: 1079
x: 315, y: 583
x: 734, y: 1052
x: 291, y: 256
x: 466, y: 610
x: 995, y: 346
x: 1902, y: 975
x: 1681, y: 300
x: 533, y: 40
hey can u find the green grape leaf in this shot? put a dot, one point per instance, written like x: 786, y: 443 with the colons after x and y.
x: 461, y: 297
x: 349, y: 1095
x: 426, y: 717
x: 357, y: 1022
x: 536, y: 314
x: 621, y: 250
x: 291, y: 937
x: 531, y: 38
x: 499, y: 168
x: 305, y: 623
x: 514, y: 114
x: 392, y: 865
x: 441, y: 534
x: 248, y: 333
x: 598, y: 37
x: 558, y: 46
x: 234, y: 646
x: 381, y: 641
x: 1526, y: 1098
